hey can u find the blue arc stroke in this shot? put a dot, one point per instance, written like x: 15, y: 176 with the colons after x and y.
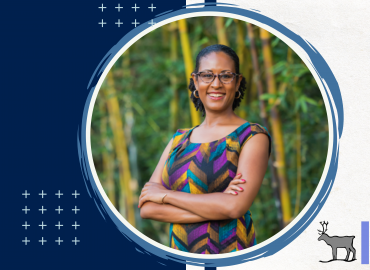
x: 334, y: 97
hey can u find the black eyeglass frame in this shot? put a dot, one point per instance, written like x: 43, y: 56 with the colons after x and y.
x: 217, y: 75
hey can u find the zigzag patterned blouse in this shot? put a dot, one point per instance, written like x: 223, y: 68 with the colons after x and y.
x: 200, y: 168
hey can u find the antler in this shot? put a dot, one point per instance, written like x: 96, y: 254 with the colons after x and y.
x: 324, y: 229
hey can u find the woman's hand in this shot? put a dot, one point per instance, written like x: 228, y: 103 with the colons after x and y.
x: 153, y: 192
x: 233, y: 188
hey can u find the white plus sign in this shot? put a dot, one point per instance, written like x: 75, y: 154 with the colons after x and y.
x: 75, y: 225
x: 59, y: 225
x: 26, y: 225
x: 42, y: 225
x: 75, y: 240
x: 58, y: 209
x: 26, y: 194
x: 26, y: 241
x: 102, y: 23
x: 75, y: 209
x: 119, y: 23
x: 58, y: 241
x: 26, y: 209
x: 135, y: 23
x: 102, y: 7
x: 75, y: 194
x: 135, y: 7
x: 119, y: 7
x: 42, y: 209
x: 151, y: 22
x: 152, y: 7
x: 59, y: 194
x: 42, y: 194
x: 42, y: 241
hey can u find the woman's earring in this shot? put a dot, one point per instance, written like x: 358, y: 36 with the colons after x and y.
x: 196, y: 96
x: 238, y: 95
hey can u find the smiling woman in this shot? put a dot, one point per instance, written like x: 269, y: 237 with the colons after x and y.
x: 208, y: 175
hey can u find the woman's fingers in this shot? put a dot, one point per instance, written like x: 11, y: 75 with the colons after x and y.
x: 236, y: 188
x: 232, y: 192
x: 237, y: 181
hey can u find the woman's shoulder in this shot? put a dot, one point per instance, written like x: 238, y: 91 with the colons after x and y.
x: 179, y: 135
x: 249, y: 130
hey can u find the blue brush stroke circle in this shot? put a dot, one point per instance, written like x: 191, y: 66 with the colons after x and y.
x: 335, y: 106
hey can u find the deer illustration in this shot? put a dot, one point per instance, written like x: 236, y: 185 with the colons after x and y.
x: 337, y: 242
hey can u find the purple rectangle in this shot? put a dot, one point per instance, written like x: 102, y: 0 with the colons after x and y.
x: 365, y: 242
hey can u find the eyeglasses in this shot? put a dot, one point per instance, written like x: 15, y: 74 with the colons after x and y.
x: 208, y: 77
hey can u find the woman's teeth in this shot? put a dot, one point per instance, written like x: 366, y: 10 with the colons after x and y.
x: 216, y: 95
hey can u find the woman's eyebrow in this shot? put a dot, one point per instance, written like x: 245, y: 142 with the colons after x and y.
x: 212, y: 71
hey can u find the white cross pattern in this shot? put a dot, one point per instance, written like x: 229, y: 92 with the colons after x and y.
x: 26, y: 194
x: 26, y: 241
x: 58, y: 241
x: 42, y: 225
x: 135, y: 23
x: 59, y: 209
x: 59, y: 194
x: 102, y: 7
x: 42, y: 241
x: 75, y: 225
x: 152, y: 22
x: 119, y: 7
x: 59, y: 225
x: 26, y: 209
x: 42, y: 194
x: 119, y: 23
x: 135, y: 7
x: 152, y: 7
x: 42, y: 209
x: 75, y: 194
x: 75, y: 209
x: 102, y: 23
x: 26, y: 225
x: 75, y: 241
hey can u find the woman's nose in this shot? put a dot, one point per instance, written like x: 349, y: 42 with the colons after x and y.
x: 216, y: 82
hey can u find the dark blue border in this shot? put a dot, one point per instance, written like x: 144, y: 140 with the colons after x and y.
x: 324, y: 73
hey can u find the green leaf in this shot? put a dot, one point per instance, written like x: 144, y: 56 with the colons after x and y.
x: 228, y: 22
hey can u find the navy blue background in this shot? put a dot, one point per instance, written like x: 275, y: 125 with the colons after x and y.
x: 49, y: 53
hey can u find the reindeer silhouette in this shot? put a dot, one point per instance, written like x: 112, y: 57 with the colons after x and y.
x: 337, y: 242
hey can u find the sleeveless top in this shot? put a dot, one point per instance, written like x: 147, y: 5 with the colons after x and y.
x: 200, y: 168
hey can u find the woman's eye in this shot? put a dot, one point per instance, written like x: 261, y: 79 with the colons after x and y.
x: 226, y: 76
x: 207, y: 76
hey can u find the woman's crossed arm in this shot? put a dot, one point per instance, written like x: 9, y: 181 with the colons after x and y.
x: 252, y: 166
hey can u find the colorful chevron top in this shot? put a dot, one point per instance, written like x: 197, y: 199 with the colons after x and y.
x: 200, y: 168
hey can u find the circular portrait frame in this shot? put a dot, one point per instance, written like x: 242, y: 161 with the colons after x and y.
x: 334, y: 108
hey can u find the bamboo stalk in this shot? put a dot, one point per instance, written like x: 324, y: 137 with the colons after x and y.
x: 189, y: 66
x: 276, y: 128
x: 108, y: 161
x: 299, y: 163
x: 241, y: 49
x: 120, y: 146
x: 263, y: 115
x: 174, y: 104
x: 221, y: 31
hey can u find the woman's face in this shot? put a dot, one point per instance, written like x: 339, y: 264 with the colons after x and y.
x: 217, y: 96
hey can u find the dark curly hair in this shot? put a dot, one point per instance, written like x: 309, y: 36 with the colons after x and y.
x: 207, y: 50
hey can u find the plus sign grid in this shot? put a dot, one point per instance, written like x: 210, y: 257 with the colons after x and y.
x: 137, y: 9
x: 39, y: 224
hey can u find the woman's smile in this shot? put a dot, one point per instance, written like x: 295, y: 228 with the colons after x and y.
x: 216, y: 95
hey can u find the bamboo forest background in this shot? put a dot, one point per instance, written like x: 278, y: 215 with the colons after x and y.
x: 145, y: 99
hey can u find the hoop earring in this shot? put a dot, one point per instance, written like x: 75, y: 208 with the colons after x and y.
x: 238, y: 95
x: 195, y: 95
